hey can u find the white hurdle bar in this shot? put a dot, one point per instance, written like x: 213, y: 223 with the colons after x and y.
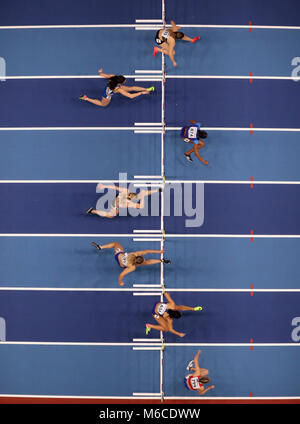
x: 148, y: 239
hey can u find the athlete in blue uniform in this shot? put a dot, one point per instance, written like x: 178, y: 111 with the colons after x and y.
x: 164, y: 312
x: 191, y: 134
x: 116, y: 85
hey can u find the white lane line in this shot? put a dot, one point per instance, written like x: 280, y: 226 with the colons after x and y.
x: 271, y: 27
x: 233, y: 235
x: 144, y: 288
x: 283, y: 236
x: 148, y: 183
x: 151, y: 25
x: 34, y: 77
x: 181, y: 344
x: 143, y: 128
x: 68, y: 26
x: 65, y: 235
x: 148, y: 396
x: 157, y: 76
x: 240, y: 129
x: 246, y: 77
x: 67, y: 128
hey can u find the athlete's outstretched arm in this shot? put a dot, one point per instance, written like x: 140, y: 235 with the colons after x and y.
x: 195, y: 123
x: 102, y: 74
x: 167, y: 295
x: 113, y: 187
x: 175, y: 27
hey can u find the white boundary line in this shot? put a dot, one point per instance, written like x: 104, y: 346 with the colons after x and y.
x: 151, y: 25
x: 151, y: 397
x: 246, y: 345
x: 245, y: 77
x: 149, y: 183
x: 143, y: 289
x: 144, y: 128
x: 283, y: 236
x: 156, y: 76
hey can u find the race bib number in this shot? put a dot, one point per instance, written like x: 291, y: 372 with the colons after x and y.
x: 194, y: 383
x: 192, y: 132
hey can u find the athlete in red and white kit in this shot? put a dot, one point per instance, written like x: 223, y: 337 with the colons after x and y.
x: 195, y: 381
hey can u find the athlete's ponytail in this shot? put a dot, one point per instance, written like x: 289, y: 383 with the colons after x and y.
x: 204, y: 380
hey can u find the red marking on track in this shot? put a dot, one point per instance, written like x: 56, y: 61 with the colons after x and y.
x: 250, y: 29
x: 251, y: 126
x: 252, y: 232
x: 251, y: 80
x: 251, y: 341
x: 251, y: 287
x: 251, y: 185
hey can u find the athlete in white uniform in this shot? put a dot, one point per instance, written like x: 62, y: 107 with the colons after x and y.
x: 164, y: 312
x: 130, y: 261
x: 197, y: 379
x: 124, y: 199
x: 166, y: 39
